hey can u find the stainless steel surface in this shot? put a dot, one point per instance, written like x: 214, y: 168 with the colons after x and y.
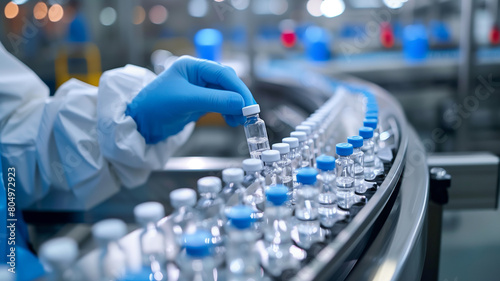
x: 398, y: 252
x: 475, y: 183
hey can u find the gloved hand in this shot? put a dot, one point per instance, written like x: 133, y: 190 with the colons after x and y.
x: 183, y: 93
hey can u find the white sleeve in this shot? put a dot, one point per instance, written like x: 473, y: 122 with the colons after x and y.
x: 79, y: 140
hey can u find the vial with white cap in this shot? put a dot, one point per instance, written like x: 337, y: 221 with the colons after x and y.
x: 112, y: 258
x: 152, y: 238
x: 277, y: 233
x: 310, y: 141
x: 242, y: 259
x: 307, y: 227
x: 197, y: 261
x: 294, y: 154
x: 373, y: 123
x: 255, y: 131
x: 285, y: 165
x: 344, y: 176
x: 255, y: 183
x: 58, y: 256
x: 272, y: 172
x: 184, y: 218
x: 304, y: 149
x: 369, y: 155
x: 211, y: 207
x: 359, y: 164
x: 327, y: 190
x: 233, y: 191
x: 314, y: 123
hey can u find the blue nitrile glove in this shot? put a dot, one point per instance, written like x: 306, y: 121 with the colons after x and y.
x: 183, y: 93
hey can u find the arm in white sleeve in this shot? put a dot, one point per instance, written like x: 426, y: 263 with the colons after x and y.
x: 80, y: 140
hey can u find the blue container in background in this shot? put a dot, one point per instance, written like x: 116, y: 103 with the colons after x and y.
x: 208, y: 44
x: 316, y: 41
x: 440, y: 32
x: 415, y: 42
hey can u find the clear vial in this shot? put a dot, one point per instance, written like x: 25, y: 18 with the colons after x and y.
x: 255, y: 131
x: 233, y: 192
x: 304, y: 150
x: 272, y: 171
x: 113, y: 264
x: 152, y: 238
x: 310, y: 142
x: 294, y: 154
x: 254, y: 197
x: 359, y: 163
x: 368, y: 149
x: 197, y: 262
x: 327, y: 190
x: 286, y: 166
x: 373, y: 123
x: 278, y: 231
x: 210, y: 207
x: 314, y: 124
x: 344, y: 176
x: 58, y: 256
x: 184, y: 218
x: 307, y: 226
x: 242, y: 259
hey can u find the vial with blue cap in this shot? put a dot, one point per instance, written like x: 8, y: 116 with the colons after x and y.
x: 208, y: 44
x: 242, y: 259
x: 358, y: 157
x: 369, y: 155
x: 197, y: 262
x: 255, y: 131
x: 211, y: 207
x: 277, y: 234
x: 152, y: 238
x: 344, y: 167
x: 327, y: 190
x: 304, y: 149
x: 373, y: 123
x: 285, y: 165
x: 307, y: 230
x: 310, y: 141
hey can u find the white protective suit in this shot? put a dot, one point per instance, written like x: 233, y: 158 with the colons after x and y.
x: 79, y: 140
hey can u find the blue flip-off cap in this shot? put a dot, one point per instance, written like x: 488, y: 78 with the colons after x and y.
x: 344, y: 149
x: 307, y: 175
x: 197, y: 244
x: 325, y: 162
x: 372, y: 123
x: 240, y: 216
x: 366, y: 132
x: 356, y: 141
x: 277, y: 194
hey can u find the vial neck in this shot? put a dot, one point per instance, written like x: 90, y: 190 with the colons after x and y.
x: 208, y: 195
x: 356, y: 149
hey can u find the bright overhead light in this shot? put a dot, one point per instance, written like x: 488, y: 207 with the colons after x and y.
x: 40, y: 10
x: 107, y: 16
x: 240, y: 4
x: 197, y: 8
x: 11, y: 10
x: 56, y: 13
x: 394, y: 4
x: 332, y: 8
x: 158, y: 14
x: 314, y: 7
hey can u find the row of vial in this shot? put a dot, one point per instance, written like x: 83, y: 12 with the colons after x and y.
x: 288, y: 195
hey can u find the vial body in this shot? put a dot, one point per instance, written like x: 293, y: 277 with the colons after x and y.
x: 345, y: 181
x: 359, y: 172
x: 256, y: 134
x: 307, y: 216
x: 369, y: 159
x: 327, y: 198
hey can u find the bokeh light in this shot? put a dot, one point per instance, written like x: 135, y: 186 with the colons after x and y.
x: 278, y: 7
x: 107, y: 16
x: 139, y: 15
x: 40, y: 10
x: 332, y: 8
x: 11, y: 10
x: 158, y: 14
x: 314, y: 7
x: 240, y: 4
x: 197, y: 8
x: 394, y: 4
x: 56, y: 13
